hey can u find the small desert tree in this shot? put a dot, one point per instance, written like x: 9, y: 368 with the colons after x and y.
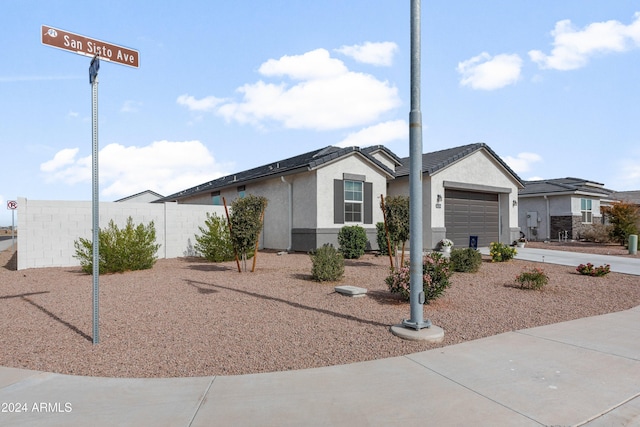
x: 623, y: 216
x: 246, y: 223
x: 397, y: 217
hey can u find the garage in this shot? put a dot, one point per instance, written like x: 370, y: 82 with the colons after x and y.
x: 470, y: 213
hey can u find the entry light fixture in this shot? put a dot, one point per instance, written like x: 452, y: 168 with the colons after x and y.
x: 514, y: 203
x: 439, y: 198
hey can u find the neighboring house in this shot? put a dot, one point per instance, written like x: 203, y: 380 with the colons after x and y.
x: 468, y: 191
x: 561, y: 208
x: 146, y: 196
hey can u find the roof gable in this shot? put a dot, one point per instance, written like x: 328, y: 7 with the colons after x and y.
x: 375, y: 149
x: 438, y: 160
x: 148, y: 194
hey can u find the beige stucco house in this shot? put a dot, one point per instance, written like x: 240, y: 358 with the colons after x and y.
x: 468, y: 191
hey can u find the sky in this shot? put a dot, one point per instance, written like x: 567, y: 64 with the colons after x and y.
x: 551, y: 86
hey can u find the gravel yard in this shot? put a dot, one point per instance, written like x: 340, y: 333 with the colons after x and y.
x: 186, y: 317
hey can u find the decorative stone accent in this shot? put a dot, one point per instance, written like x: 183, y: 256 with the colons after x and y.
x: 351, y: 291
x: 572, y: 224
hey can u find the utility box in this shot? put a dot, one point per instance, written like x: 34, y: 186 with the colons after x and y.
x: 532, y: 219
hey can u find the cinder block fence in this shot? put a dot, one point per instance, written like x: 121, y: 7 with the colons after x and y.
x: 47, y: 229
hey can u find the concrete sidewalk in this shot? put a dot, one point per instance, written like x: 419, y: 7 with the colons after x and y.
x: 582, y: 372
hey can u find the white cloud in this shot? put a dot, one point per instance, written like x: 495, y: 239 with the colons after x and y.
x: 381, y: 133
x: 572, y: 48
x: 130, y: 106
x: 162, y: 166
x: 73, y: 114
x: 316, y: 64
x: 522, y: 162
x: 488, y: 73
x: 205, y: 104
x: 62, y: 158
x: 380, y: 54
x: 326, y: 95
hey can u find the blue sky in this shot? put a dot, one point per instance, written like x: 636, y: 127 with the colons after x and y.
x: 551, y: 86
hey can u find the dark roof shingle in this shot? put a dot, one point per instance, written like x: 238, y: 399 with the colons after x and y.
x: 308, y: 161
x: 563, y: 185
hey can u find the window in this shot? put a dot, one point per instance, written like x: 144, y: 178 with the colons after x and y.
x: 352, y: 201
x: 241, y: 191
x: 216, y: 198
x: 585, y: 209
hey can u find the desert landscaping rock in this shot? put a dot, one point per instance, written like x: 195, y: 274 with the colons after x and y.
x: 187, y: 317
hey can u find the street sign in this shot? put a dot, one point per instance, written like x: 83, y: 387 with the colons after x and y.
x: 12, y: 205
x: 86, y: 46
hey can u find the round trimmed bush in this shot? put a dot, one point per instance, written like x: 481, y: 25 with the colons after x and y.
x: 328, y: 264
x: 353, y: 241
x: 466, y: 260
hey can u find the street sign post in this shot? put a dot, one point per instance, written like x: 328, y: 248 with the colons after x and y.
x: 97, y: 50
x: 12, y: 205
x: 86, y: 46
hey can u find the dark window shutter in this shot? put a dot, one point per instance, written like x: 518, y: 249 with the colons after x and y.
x: 368, y: 203
x: 338, y: 201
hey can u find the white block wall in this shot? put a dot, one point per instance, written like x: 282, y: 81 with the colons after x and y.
x: 48, y: 229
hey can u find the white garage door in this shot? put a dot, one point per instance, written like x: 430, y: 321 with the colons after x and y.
x: 469, y: 213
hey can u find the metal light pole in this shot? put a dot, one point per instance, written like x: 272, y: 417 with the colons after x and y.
x: 95, y: 206
x: 415, y: 180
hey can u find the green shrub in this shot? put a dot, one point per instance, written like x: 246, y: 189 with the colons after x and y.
x: 501, y: 252
x: 590, y: 270
x: 215, y: 242
x: 353, y: 241
x: 535, y: 278
x: 436, y: 273
x: 127, y: 249
x: 328, y: 264
x: 466, y: 260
